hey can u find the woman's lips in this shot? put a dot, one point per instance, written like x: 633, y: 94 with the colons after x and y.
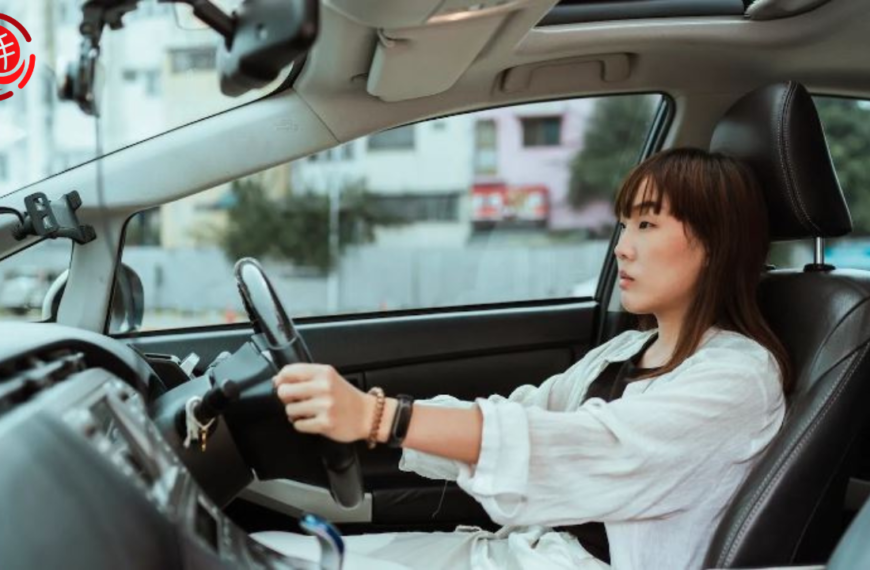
x: 624, y: 280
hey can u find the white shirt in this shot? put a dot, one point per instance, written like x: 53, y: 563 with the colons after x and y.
x: 657, y: 466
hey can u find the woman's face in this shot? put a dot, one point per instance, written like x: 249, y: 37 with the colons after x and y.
x: 659, y: 261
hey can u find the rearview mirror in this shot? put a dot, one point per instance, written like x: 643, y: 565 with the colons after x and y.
x: 260, y: 39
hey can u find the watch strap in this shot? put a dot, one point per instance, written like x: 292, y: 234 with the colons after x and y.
x: 401, y: 421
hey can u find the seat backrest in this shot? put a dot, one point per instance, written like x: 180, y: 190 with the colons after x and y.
x: 789, y: 510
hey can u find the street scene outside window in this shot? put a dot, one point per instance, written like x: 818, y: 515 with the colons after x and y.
x: 27, y: 278
x: 847, y: 127
x: 158, y: 73
x: 495, y: 206
x: 846, y: 123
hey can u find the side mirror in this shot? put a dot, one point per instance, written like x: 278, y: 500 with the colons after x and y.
x: 128, y: 300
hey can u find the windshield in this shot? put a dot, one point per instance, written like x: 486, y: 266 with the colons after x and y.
x: 158, y: 73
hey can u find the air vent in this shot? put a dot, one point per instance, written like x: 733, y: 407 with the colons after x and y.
x: 26, y: 376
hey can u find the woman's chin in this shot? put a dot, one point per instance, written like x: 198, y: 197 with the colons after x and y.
x: 634, y: 307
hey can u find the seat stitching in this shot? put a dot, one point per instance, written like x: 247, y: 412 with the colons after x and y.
x: 787, y: 142
x: 834, y: 330
x: 782, y: 147
x: 778, y: 127
x: 777, y: 473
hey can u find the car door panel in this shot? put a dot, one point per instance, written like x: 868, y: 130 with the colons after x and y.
x: 367, y: 342
x: 466, y: 354
x: 473, y: 376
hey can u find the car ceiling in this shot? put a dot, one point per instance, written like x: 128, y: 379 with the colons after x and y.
x: 706, y: 57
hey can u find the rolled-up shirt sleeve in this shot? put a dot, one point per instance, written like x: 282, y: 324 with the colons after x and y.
x: 552, y: 394
x: 426, y: 464
x: 436, y: 467
x: 645, y: 455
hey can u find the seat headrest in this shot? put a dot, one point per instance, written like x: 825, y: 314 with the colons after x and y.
x: 776, y: 129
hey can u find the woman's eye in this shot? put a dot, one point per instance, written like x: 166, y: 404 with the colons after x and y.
x: 620, y: 225
x: 645, y: 224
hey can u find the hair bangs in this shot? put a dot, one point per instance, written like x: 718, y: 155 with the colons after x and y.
x: 677, y: 176
x: 644, y: 181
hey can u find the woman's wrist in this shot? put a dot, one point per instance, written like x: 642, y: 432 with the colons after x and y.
x: 369, y: 412
x: 387, y: 422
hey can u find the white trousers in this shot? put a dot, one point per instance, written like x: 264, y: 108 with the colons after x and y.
x: 467, y: 548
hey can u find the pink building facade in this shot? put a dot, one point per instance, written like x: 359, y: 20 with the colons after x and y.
x: 533, y: 145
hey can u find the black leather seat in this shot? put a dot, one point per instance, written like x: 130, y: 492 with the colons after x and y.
x: 789, y: 510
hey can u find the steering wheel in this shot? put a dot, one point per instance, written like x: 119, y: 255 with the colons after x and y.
x: 285, y: 345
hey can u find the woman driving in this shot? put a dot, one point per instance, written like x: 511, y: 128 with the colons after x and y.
x: 650, y: 433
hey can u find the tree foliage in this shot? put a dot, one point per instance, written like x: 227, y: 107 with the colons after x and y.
x: 618, y: 125
x: 295, y: 227
x: 847, y: 128
x: 614, y: 137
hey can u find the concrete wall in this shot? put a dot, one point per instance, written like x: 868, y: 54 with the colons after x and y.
x: 198, y: 282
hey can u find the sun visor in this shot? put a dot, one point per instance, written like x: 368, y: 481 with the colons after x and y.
x: 419, y: 62
x: 424, y: 46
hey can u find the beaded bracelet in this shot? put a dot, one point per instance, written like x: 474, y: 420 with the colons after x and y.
x: 372, y: 440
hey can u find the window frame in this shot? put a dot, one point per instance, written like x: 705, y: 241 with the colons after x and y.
x: 660, y: 127
x: 524, y: 123
x: 190, y: 59
x: 480, y: 150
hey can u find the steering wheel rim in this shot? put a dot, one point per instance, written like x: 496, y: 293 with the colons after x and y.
x: 286, y: 346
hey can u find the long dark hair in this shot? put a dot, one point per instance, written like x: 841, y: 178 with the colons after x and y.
x: 720, y: 200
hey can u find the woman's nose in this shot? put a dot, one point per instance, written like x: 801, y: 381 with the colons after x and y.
x: 623, y: 249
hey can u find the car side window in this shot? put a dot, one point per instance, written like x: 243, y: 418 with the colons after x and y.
x: 26, y: 279
x: 495, y: 206
x: 846, y: 123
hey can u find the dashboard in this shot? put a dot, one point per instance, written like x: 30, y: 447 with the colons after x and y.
x: 87, y: 479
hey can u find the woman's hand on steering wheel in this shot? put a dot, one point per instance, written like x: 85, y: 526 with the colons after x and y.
x: 318, y: 400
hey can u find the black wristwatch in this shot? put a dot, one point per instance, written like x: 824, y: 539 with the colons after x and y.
x: 401, y: 420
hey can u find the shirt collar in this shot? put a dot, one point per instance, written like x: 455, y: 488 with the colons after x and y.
x: 631, y: 346
x: 634, y: 344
